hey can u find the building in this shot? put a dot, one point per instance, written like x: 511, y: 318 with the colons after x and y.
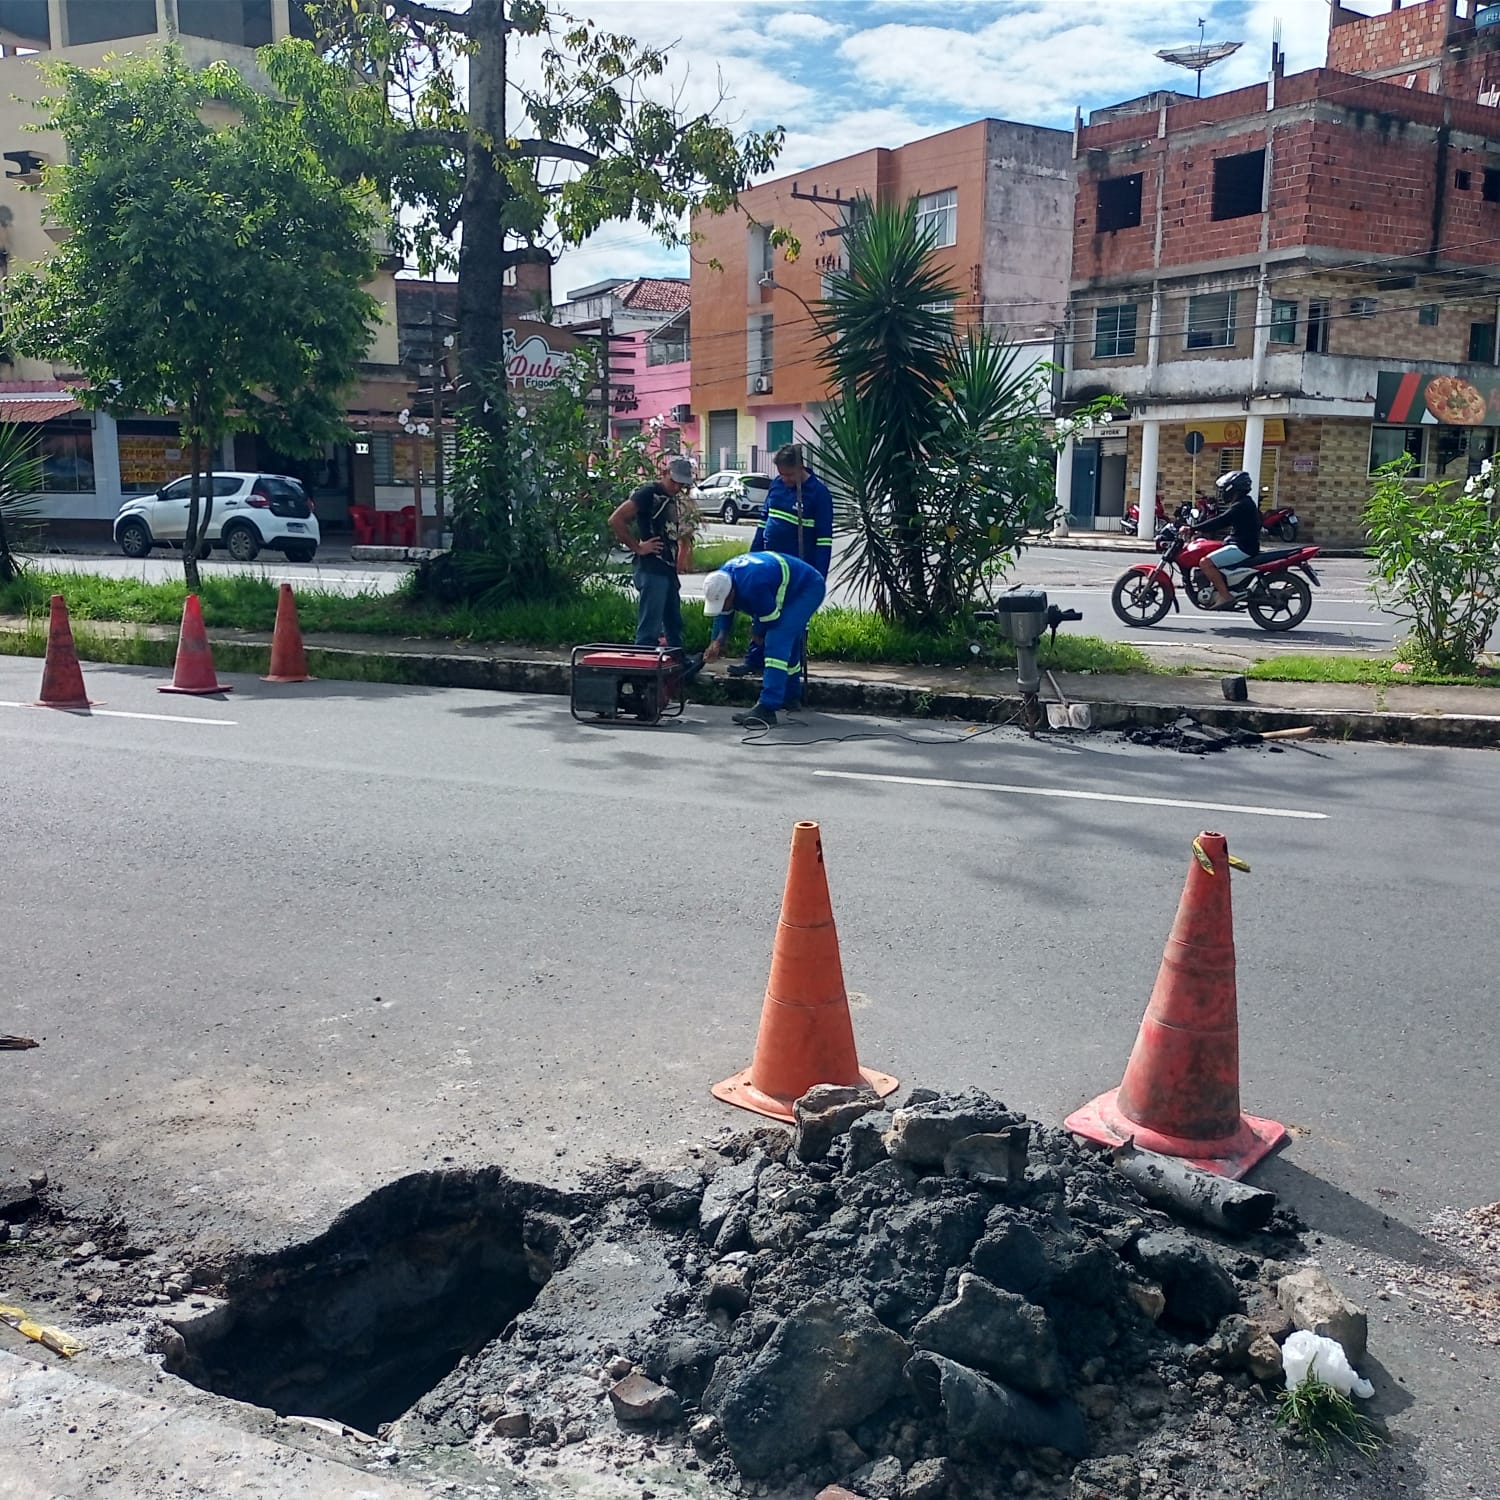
x: 998, y: 195
x: 1298, y: 278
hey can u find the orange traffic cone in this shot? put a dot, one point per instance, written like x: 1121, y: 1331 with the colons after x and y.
x: 62, y: 677
x: 193, y: 671
x: 288, y: 659
x: 1181, y: 1091
x: 806, y: 1036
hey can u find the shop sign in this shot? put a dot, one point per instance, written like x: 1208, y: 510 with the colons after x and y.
x: 1305, y: 463
x: 533, y: 362
x: 1232, y: 434
x: 1408, y: 399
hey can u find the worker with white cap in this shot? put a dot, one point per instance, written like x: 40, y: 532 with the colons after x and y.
x: 658, y: 526
x: 780, y: 594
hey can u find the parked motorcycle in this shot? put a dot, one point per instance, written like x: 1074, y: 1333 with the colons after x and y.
x: 1133, y: 516
x: 1282, y: 524
x: 1270, y: 587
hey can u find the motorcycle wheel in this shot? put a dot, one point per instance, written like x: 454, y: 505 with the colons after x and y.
x: 1281, y: 603
x: 1287, y: 530
x: 1139, y: 599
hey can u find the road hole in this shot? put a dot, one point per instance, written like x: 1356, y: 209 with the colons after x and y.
x: 361, y: 1322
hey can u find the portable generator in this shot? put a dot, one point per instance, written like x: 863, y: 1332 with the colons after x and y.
x: 641, y: 683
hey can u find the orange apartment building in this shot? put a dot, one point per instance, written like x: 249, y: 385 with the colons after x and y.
x: 999, y: 196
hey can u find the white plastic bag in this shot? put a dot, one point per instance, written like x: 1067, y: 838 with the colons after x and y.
x: 1306, y: 1354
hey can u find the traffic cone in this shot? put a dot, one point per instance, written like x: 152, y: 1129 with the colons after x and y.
x: 62, y: 677
x: 193, y: 671
x: 1181, y: 1092
x: 806, y: 1036
x: 288, y: 659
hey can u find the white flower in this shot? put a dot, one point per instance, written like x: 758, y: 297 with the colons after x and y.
x: 1106, y: 418
x: 1470, y: 485
x: 448, y: 342
x: 520, y: 410
x: 405, y: 416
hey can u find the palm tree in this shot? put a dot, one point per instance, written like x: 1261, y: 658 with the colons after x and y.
x: 20, y: 509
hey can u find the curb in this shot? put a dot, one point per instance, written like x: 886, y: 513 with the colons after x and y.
x: 846, y: 695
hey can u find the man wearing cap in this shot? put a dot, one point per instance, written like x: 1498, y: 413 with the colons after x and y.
x: 653, y: 508
x: 780, y: 594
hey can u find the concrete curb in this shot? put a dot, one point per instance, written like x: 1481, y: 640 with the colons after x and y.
x: 828, y: 693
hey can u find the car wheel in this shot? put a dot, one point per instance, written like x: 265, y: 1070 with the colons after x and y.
x: 302, y: 552
x: 729, y: 513
x: 242, y: 542
x: 134, y: 538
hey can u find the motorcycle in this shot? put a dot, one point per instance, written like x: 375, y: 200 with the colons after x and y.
x: 1133, y: 516
x: 1270, y: 586
x: 1282, y: 524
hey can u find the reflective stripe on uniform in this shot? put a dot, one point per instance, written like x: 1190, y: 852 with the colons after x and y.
x: 791, y: 519
x: 781, y: 666
x: 786, y: 578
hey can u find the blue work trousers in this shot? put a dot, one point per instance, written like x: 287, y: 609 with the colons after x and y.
x: 782, y: 679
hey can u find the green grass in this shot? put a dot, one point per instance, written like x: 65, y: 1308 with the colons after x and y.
x: 710, y: 555
x: 604, y: 612
x: 1374, y: 671
x: 1323, y: 1416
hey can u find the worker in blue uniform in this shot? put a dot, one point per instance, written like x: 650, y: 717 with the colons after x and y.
x: 780, y: 594
x: 796, y: 521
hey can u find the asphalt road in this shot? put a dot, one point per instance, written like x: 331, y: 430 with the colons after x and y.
x: 287, y: 945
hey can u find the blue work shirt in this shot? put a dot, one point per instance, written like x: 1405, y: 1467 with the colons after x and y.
x: 763, y: 582
x: 779, y: 523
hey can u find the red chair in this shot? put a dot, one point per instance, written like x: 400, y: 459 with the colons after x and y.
x: 362, y: 518
x: 407, y: 527
x: 384, y: 521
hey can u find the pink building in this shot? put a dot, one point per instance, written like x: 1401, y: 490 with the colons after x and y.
x: 653, y: 384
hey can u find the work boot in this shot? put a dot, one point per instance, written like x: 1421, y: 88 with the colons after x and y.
x: 758, y: 715
x: 692, y: 668
x: 741, y: 669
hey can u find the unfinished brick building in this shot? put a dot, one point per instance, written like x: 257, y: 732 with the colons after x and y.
x: 1304, y: 273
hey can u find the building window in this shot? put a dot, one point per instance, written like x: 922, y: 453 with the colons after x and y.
x: 1114, y: 331
x: 760, y: 352
x: 760, y: 258
x: 943, y: 309
x: 668, y: 346
x: 1117, y: 204
x: 66, y: 454
x: 937, y: 215
x: 778, y: 435
x: 1211, y: 321
x: 1491, y: 185
x: 1317, y: 326
x: 1481, y: 343
x: 1387, y: 444
x: 1237, y: 184
x: 1362, y: 307
x: 1461, y: 180
x: 1427, y: 315
x: 1283, y: 321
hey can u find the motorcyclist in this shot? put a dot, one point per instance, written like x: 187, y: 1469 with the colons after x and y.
x: 1240, y: 517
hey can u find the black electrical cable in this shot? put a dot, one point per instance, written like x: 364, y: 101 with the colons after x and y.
x: 758, y: 737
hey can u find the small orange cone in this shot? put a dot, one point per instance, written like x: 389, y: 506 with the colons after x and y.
x: 806, y: 1036
x: 288, y: 659
x: 193, y: 671
x: 62, y: 677
x: 1181, y: 1091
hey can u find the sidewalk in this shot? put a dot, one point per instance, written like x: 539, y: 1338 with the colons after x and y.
x: 1405, y: 712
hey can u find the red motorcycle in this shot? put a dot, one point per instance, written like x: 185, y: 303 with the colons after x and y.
x: 1281, y: 523
x: 1269, y: 586
x: 1133, y: 516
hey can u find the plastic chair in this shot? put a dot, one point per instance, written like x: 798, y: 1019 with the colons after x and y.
x: 362, y: 518
x: 407, y: 526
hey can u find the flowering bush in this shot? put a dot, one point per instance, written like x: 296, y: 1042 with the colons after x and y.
x: 1437, y: 562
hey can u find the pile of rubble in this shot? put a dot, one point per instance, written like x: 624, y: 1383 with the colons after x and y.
x: 944, y: 1300
x: 1190, y: 737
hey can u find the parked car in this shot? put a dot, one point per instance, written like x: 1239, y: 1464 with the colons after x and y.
x: 733, y: 495
x: 250, y: 511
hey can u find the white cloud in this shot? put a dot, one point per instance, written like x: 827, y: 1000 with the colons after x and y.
x: 801, y: 26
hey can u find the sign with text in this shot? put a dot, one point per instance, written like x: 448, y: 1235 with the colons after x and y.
x: 533, y: 362
x: 1232, y: 434
x: 1407, y: 398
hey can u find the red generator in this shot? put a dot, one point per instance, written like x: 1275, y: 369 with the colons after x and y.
x: 640, y: 683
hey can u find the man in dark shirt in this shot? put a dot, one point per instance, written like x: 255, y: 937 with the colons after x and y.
x: 658, y: 527
x: 1241, y: 519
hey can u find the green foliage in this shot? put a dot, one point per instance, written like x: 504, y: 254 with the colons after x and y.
x: 710, y: 555
x: 212, y: 268
x: 20, y: 510
x: 1322, y: 1416
x: 1437, y: 563
x: 935, y: 448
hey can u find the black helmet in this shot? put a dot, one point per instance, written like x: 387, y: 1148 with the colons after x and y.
x: 1232, y: 485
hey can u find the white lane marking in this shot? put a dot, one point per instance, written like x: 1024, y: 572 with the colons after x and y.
x: 1049, y: 791
x: 120, y: 713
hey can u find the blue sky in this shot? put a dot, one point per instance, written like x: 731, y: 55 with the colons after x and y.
x: 845, y: 75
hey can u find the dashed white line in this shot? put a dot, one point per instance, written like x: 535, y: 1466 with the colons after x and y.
x: 120, y: 713
x: 1078, y: 796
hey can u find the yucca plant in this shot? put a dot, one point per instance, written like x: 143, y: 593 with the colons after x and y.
x: 20, y: 499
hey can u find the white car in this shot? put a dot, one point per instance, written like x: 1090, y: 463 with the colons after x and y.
x: 250, y: 511
x: 733, y: 495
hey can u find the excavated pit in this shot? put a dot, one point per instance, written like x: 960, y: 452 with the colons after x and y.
x: 360, y: 1322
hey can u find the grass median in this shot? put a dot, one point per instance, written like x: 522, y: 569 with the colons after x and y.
x: 603, y: 612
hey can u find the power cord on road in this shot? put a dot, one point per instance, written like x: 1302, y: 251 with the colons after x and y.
x: 761, y: 737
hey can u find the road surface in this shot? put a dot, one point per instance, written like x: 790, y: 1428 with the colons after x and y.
x: 284, y: 946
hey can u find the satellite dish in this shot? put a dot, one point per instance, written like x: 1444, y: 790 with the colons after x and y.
x: 1204, y: 55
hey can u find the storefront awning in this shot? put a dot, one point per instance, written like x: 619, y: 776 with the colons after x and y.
x: 36, y: 408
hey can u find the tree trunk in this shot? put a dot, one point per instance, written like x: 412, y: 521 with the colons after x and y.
x: 190, y: 537
x: 485, y: 522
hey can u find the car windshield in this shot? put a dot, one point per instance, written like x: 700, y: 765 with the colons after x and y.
x: 757, y: 482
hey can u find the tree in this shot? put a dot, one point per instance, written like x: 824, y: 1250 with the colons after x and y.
x: 20, y: 479
x: 935, y: 444
x: 506, y: 168
x: 212, y: 269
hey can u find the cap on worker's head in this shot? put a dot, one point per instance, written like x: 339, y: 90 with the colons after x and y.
x: 681, y: 469
x: 716, y: 591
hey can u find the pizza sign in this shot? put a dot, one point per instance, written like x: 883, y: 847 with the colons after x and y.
x: 1407, y: 398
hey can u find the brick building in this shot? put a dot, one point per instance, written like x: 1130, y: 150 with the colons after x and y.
x: 1297, y: 278
x: 997, y: 195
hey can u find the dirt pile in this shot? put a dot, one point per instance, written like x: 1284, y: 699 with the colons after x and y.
x: 1187, y: 736
x: 943, y: 1300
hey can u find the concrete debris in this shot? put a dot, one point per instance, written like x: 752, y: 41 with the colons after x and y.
x: 731, y: 1186
x: 880, y: 1480
x: 825, y: 1112
x: 1199, y: 1291
x: 1187, y: 735
x: 983, y: 1416
x: 1263, y: 1359
x: 998, y: 1332
x: 636, y: 1399
x: 923, y: 1134
x: 1317, y: 1306
x: 1114, y: 1478
x: 993, y: 1160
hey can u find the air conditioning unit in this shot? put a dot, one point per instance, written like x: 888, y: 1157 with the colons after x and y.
x: 760, y: 385
x: 681, y: 414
